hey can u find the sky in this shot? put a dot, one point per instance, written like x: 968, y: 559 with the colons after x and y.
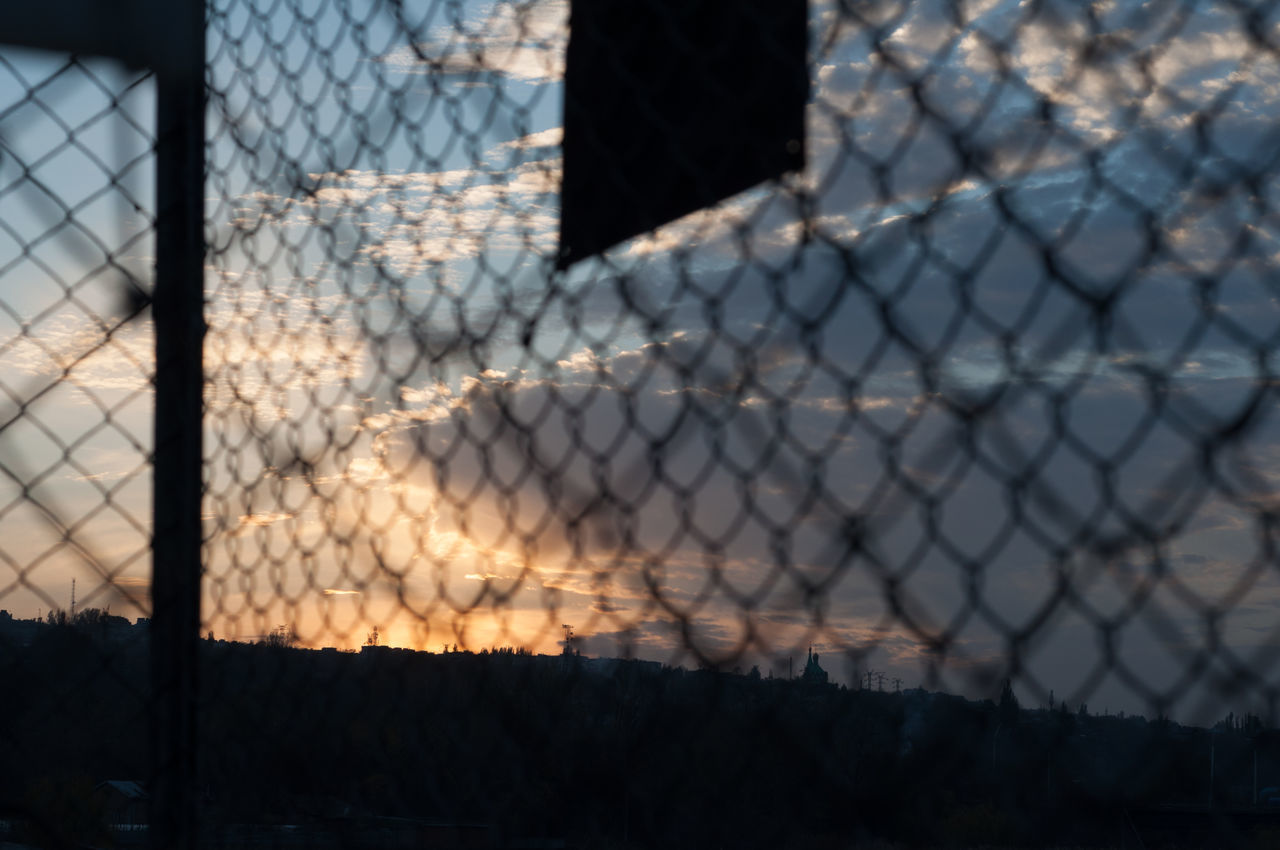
x: 987, y: 385
x: 75, y: 254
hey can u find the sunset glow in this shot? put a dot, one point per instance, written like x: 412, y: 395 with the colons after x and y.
x: 857, y: 407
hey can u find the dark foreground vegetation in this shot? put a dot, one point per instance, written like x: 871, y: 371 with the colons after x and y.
x: 390, y: 747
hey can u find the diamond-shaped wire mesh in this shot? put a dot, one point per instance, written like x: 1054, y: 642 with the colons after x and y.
x: 981, y: 401
x: 75, y: 498
x: 984, y: 393
x: 972, y: 391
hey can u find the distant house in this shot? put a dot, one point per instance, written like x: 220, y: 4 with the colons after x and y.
x: 813, y: 672
x: 124, y: 803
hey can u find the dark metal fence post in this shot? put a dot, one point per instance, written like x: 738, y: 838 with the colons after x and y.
x: 178, y: 312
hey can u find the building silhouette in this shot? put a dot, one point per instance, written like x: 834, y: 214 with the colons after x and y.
x: 813, y: 672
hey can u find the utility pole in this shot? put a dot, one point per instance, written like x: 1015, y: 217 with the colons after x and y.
x: 73, y: 599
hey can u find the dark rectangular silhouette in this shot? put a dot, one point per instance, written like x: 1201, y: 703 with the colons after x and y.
x: 673, y: 105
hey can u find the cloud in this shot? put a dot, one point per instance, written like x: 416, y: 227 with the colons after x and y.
x: 522, y: 40
x: 539, y: 141
x: 663, y: 638
x: 971, y: 354
x: 99, y: 354
x: 566, y: 468
x: 656, y: 478
x: 410, y: 225
x: 262, y: 520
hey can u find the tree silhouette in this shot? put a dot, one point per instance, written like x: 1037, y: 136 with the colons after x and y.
x: 1009, y: 708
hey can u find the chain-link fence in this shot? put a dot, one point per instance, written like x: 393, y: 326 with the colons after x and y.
x: 952, y: 390
x: 76, y: 246
x: 920, y: 492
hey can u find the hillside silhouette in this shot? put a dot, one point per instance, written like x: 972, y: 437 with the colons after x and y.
x: 503, y: 748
